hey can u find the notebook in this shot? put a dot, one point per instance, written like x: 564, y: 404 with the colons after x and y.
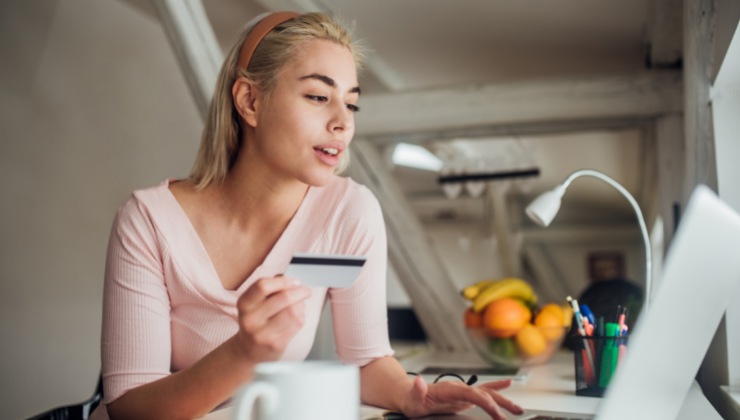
x: 667, y: 346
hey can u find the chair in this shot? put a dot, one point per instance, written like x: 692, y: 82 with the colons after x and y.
x: 81, y: 411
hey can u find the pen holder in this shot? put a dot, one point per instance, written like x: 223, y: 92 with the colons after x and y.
x: 596, y: 360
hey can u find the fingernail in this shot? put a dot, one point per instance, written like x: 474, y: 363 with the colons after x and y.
x: 295, y: 282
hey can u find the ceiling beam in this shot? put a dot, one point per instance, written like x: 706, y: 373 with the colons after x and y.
x: 665, y: 36
x: 512, y: 130
x: 636, y: 96
x: 434, y: 297
x: 195, y: 45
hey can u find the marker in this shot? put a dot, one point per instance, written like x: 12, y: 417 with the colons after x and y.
x: 623, y: 318
x: 622, y: 331
x: 609, y: 355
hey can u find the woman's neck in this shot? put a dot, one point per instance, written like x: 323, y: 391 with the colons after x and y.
x: 250, y: 196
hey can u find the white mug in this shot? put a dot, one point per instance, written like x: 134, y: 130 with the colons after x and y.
x: 310, y: 390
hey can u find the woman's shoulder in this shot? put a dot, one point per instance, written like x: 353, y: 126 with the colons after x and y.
x: 143, y: 202
x: 153, y: 192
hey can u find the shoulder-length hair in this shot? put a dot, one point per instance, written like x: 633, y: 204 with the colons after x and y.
x: 223, y: 133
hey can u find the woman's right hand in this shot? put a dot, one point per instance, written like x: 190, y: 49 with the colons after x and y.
x: 271, y: 312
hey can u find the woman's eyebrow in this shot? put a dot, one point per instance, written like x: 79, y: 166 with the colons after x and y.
x: 329, y: 81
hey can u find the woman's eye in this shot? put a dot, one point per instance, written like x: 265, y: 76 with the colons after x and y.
x: 353, y: 107
x: 317, y: 98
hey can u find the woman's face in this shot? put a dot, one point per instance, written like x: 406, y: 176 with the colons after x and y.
x: 308, y: 121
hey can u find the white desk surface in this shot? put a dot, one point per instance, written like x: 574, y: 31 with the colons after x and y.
x: 549, y: 387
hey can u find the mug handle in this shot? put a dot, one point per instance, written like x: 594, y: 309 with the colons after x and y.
x: 268, y: 403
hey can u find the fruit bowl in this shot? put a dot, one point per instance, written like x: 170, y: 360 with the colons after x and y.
x: 507, y: 326
x: 530, y: 346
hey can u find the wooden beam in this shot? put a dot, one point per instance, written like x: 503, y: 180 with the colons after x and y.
x: 671, y: 165
x: 665, y: 27
x: 617, y: 234
x: 511, y: 130
x: 701, y: 167
x: 195, y: 45
x: 547, y: 280
x: 433, y: 295
x: 519, y: 103
x: 500, y: 226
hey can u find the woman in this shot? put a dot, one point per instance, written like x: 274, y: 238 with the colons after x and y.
x: 194, y: 298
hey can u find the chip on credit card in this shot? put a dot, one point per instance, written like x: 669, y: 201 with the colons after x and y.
x: 325, y: 270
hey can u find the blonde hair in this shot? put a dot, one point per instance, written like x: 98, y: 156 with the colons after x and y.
x: 222, y: 134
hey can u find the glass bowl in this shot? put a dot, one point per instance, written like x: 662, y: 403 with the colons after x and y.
x: 530, y: 346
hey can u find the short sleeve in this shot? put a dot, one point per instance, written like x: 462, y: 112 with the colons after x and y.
x: 360, y: 311
x: 136, y: 343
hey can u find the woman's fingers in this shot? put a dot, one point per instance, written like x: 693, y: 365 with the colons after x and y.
x: 452, y: 397
x: 267, y: 297
x: 485, y: 401
x: 493, y: 387
x: 271, y: 312
x: 263, y: 288
x: 496, y: 385
x: 507, y: 404
x: 280, y: 329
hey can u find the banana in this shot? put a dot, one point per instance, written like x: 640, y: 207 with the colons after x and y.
x: 472, y: 291
x: 512, y: 287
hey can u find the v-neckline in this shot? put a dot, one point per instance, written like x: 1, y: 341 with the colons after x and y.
x: 267, y: 267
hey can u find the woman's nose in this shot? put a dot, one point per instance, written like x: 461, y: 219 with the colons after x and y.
x: 342, y: 119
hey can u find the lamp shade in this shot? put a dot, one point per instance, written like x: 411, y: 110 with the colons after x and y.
x: 544, y: 208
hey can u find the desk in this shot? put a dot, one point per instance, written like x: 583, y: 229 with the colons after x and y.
x: 548, y: 387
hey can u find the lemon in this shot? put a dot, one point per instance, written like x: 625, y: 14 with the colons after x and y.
x: 550, y: 324
x: 530, y: 341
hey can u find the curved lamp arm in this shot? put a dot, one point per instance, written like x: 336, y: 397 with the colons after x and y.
x: 544, y: 208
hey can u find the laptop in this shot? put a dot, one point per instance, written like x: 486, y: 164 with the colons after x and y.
x: 667, y: 346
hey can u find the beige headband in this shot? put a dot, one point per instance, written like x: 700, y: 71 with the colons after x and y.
x: 262, y: 28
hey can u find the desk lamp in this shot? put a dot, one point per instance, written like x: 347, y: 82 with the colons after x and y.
x: 544, y: 208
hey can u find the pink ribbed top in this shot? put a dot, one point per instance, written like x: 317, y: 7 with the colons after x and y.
x: 165, y: 307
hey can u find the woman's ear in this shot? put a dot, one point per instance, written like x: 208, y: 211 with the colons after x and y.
x: 244, y: 94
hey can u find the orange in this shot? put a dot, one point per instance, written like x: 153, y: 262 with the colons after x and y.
x: 505, y: 317
x: 530, y: 341
x: 472, y: 319
x: 550, y: 324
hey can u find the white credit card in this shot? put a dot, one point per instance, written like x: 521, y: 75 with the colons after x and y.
x: 321, y: 270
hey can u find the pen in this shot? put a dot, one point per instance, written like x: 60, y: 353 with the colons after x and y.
x: 600, y: 326
x: 589, y: 362
x: 586, y: 311
x: 577, y: 314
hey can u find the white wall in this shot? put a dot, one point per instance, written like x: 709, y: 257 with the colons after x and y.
x: 92, y: 106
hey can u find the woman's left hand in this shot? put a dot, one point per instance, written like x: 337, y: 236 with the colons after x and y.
x: 456, y: 396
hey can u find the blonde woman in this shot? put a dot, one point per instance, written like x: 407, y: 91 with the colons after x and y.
x: 193, y: 295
